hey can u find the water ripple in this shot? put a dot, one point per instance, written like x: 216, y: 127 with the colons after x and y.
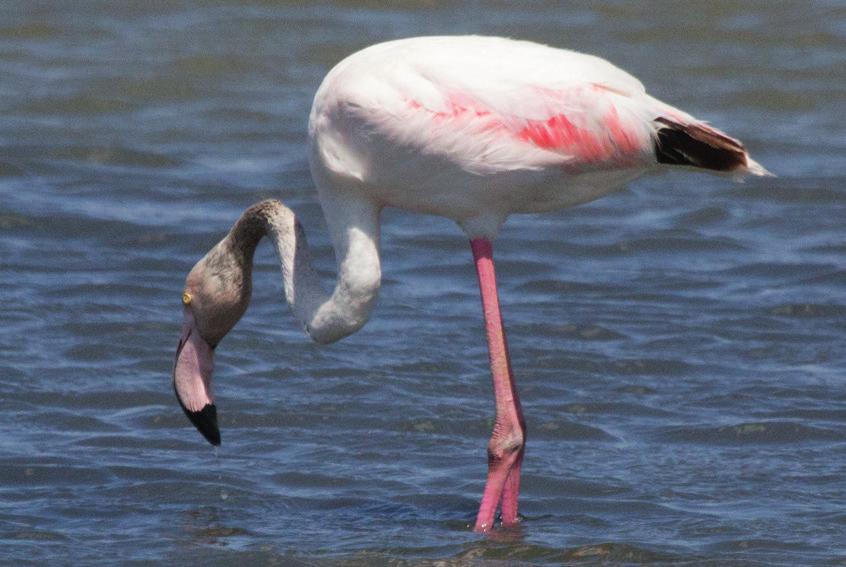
x: 677, y: 346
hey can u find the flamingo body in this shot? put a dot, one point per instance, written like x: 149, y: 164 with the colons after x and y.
x: 476, y: 128
x: 469, y: 128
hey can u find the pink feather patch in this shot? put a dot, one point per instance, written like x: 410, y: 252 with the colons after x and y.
x: 613, y: 141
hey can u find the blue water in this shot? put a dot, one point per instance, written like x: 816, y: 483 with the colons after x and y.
x: 678, y: 346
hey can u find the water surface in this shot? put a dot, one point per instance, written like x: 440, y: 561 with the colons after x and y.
x: 678, y: 346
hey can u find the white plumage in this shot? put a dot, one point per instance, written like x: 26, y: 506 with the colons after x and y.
x: 476, y: 128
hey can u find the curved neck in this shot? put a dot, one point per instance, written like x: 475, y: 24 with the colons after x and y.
x: 355, y: 235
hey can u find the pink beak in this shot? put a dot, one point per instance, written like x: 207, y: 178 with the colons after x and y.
x: 192, y: 379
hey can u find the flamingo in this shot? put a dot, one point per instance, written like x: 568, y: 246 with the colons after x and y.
x: 471, y: 128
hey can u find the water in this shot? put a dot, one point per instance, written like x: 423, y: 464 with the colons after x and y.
x: 678, y: 346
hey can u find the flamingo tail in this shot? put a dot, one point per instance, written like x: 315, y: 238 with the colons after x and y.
x: 699, y: 145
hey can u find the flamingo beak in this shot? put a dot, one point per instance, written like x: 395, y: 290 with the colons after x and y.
x: 192, y: 379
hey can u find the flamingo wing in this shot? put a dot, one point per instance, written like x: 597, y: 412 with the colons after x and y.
x: 504, y: 106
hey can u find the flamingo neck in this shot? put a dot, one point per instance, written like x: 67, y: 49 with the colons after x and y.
x: 355, y: 235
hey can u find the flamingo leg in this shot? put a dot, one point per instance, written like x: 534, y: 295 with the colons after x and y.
x: 505, y: 449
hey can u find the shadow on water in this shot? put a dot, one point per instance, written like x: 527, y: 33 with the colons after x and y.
x: 205, y: 527
x: 212, y: 543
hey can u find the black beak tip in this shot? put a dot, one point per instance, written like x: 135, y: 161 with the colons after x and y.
x: 205, y: 421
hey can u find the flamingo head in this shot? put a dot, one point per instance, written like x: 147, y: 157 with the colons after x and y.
x: 217, y: 292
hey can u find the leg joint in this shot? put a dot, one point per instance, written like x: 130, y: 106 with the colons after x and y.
x: 505, y: 447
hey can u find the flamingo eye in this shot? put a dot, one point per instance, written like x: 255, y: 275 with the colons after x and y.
x: 186, y: 298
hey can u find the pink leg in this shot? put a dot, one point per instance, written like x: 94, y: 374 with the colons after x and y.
x: 505, y: 449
